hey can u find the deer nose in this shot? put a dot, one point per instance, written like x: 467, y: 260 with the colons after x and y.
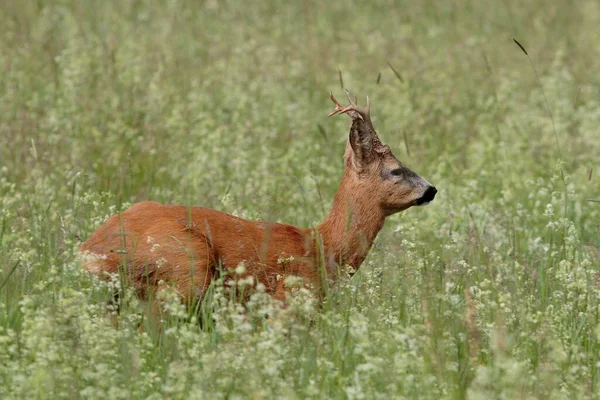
x: 427, y: 196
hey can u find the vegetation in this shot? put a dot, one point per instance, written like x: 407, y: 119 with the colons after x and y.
x: 492, y: 291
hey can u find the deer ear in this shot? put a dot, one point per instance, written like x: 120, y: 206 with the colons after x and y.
x: 361, y: 141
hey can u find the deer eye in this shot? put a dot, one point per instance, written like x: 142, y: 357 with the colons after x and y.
x: 396, y: 172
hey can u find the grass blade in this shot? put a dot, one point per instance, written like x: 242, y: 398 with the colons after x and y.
x: 395, y: 72
x: 9, y: 274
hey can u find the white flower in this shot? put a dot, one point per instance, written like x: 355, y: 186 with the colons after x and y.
x: 240, y: 269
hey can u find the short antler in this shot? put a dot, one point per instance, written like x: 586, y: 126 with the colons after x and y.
x: 353, y: 110
x: 362, y: 114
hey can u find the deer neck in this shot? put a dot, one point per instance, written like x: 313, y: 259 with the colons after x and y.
x: 349, y: 230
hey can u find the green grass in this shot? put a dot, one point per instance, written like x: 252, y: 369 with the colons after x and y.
x: 492, y: 291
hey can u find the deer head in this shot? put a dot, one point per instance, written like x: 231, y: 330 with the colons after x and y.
x: 373, y: 170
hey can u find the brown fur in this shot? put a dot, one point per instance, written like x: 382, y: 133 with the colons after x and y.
x: 157, y: 244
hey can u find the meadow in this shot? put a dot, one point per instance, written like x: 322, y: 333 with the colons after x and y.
x: 490, y: 292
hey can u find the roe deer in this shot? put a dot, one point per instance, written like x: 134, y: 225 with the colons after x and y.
x: 186, y: 246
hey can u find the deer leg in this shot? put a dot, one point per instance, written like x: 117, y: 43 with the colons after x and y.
x: 193, y: 282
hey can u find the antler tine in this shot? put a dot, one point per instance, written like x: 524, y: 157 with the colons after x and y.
x: 338, y: 107
x: 352, y: 102
x: 363, y: 113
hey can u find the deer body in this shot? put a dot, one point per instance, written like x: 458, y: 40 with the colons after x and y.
x: 156, y: 244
